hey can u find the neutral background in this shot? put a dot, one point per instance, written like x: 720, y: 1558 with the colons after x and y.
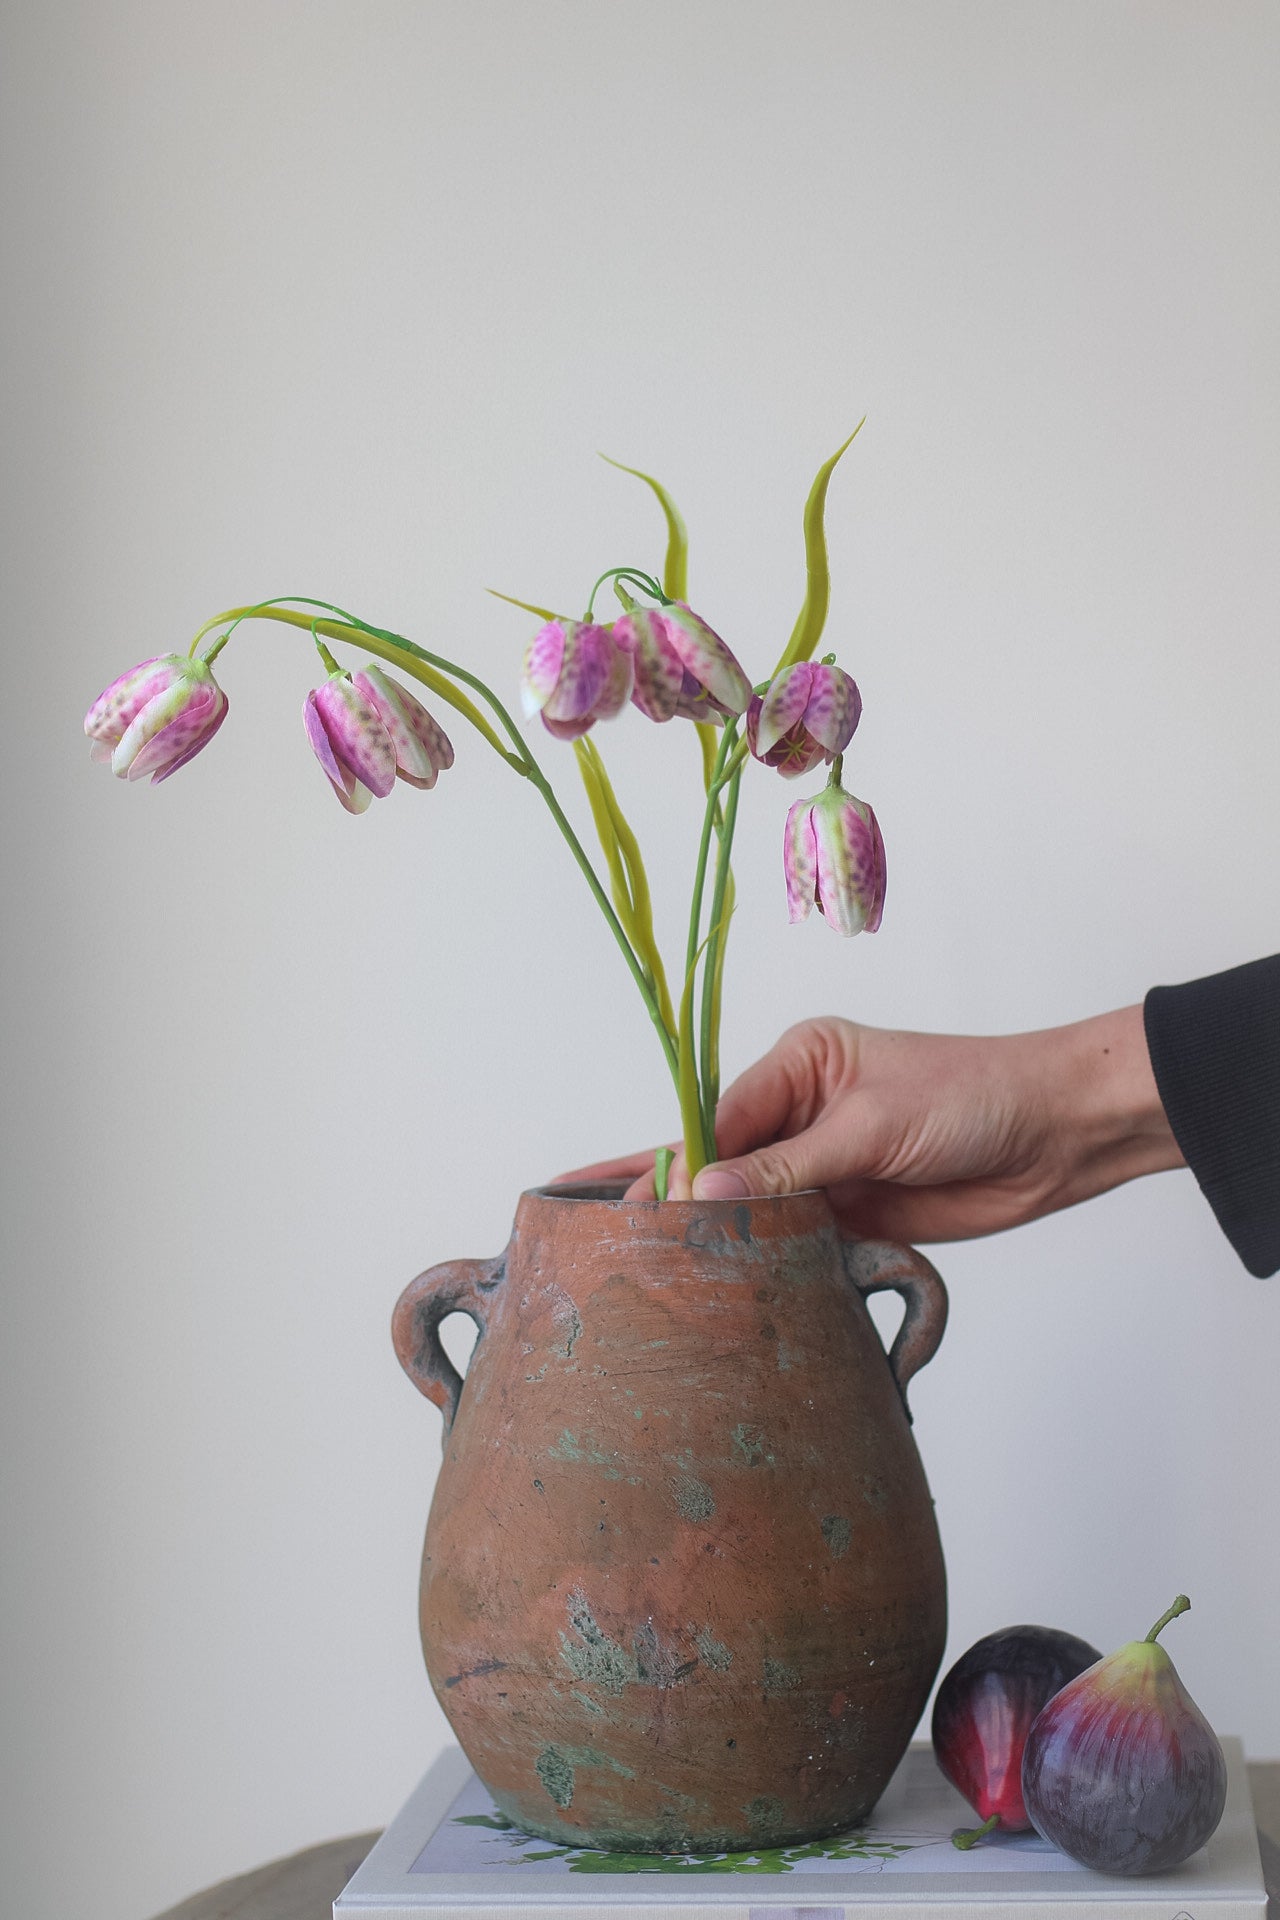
x: 341, y: 299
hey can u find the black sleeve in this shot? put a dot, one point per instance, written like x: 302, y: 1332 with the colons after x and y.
x: 1215, y: 1049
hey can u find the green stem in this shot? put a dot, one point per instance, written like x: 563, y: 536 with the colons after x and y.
x: 709, y: 1038
x: 644, y: 581
x: 1180, y: 1605
x: 662, y: 1171
x: 967, y: 1837
x: 714, y: 785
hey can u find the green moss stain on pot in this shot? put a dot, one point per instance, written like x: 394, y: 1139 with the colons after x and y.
x: 837, y: 1533
x: 593, y: 1657
x: 557, y: 1768
x: 712, y: 1652
x: 764, y: 1814
x: 694, y: 1498
x: 779, y: 1677
x: 749, y: 1444
x: 581, y: 1451
x: 556, y: 1775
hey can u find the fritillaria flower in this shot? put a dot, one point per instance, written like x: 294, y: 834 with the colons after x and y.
x: 575, y: 673
x: 367, y: 731
x: 834, y: 858
x: 682, y: 669
x: 807, y: 714
x: 154, y: 718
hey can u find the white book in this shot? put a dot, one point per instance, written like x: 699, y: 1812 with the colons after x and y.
x: 448, y: 1855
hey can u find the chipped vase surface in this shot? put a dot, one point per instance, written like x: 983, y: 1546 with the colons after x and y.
x: 682, y: 1586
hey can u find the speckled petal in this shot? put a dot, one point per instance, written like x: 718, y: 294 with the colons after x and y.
x: 783, y: 704
x: 658, y: 668
x: 199, y: 742
x: 173, y: 724
x: 584, y: 673
x: 834, y: 707
x: 846, y: 889
x: 118, y: 705
x: 542, y: 661
x: 421, y: 747
x: 354, y: 796
x: 619, y: 679
x: 876, y: 914
x: 359, y: 740
x: 708, y: 659
x: 800, y: 860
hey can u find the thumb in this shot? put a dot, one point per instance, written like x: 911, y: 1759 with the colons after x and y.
x: 819, y: 1157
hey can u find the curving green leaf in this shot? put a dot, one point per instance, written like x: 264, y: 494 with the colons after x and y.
x: 675, y: 570
x: 812, y: 617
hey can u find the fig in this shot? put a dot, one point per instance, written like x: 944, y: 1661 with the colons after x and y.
x: 983, y: 1714
x: 1121, y: 1769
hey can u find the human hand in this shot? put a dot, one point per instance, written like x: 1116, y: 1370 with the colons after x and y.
x: 923, y: 1137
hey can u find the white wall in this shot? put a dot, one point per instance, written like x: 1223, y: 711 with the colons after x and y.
x: 341, y: 298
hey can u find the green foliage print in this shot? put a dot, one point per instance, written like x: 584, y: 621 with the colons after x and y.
x: 852, y: 1846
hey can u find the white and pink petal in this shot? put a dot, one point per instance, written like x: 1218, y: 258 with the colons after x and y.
x: 800, y: 860
x: 422, y: 748
x: 359, y: 740
x: 781, y: 707
x: 543, y: 659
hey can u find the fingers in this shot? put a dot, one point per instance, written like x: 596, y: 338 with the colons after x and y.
x: 755, y: 1108
x: 822, y: 1156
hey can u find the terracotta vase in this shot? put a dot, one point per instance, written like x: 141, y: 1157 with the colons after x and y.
x: 682, y: 1586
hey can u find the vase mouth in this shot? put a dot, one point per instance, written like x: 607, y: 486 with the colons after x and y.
x: 612, y: 1193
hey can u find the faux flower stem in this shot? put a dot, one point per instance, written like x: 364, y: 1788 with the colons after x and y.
x: 713, y: 966
x: 431, y: 669
x: 402, y: 653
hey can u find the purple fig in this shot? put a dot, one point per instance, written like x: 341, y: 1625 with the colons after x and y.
x: 983, y: 1714
x: 1122, y: 1770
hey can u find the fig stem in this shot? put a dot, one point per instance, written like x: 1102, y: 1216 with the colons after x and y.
x: 966, y: 1837
x: 1180, y: 1605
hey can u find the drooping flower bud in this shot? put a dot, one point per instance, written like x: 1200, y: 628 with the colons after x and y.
x: 575, y: 673
x: 682, y: 668
x: 807, y: 714
x: 156, y: 717
x: 833, y: 857
x: 365, y: 730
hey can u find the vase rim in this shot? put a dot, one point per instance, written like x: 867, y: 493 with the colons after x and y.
x: 611, y: 1193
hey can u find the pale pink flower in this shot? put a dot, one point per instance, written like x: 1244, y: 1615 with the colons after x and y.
x: 154, y: 718
x: 682, y: 669
x: 366, y: 730
x: 833, y: 857
x: 575, y: 673
x: 808, y: 713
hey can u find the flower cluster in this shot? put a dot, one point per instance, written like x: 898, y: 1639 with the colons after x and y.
x: 368, y: 731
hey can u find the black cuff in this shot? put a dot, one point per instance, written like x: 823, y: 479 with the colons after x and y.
x: 1215, y: 1049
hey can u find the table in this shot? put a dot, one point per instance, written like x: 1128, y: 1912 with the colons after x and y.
x: 304, y: 1886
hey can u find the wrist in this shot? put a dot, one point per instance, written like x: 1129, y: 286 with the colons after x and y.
x: 1112, y: 1109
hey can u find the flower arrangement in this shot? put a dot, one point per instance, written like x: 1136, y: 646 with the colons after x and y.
x: 367, y: 731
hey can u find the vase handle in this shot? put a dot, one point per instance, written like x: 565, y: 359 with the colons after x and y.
x: 456, y: 1286
x: 877, y: 1266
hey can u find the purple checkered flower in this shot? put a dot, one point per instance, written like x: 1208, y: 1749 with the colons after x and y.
x: 367, y: 732
x: 575, y: 673
x: 682, y: 668
x: 156, y: 717
x: 833, y: 856
x: 807, y: 715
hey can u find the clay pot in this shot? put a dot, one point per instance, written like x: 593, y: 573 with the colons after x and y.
x: 682, y: 1587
